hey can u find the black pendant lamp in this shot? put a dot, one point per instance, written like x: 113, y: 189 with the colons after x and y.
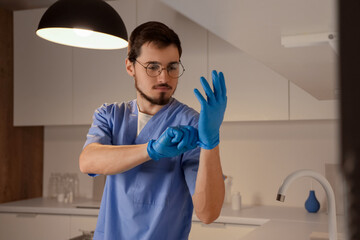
x: 90, y: 24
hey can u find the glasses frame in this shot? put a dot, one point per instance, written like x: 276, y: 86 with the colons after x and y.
x: 163, y: 68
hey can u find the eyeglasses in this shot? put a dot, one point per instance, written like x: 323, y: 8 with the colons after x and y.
x: 154, y: 69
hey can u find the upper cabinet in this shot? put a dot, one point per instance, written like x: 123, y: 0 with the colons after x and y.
x: 304, y: 106
x: 42, y: 75
x: 254, y: 91
x: 99, y: 76
x: 61, y: 85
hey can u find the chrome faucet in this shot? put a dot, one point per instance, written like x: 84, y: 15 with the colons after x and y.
x: 329, y: 193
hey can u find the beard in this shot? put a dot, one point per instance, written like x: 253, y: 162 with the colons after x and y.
x: 161, y: 100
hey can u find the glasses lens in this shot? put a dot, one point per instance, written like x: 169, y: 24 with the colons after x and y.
x: 175, y: 70
x: 153, y: 69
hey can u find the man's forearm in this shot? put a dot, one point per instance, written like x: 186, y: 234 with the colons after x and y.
x: 109, y: 159
x: 209, y: 190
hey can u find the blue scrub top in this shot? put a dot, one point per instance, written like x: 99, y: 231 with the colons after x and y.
x: 152, y: 200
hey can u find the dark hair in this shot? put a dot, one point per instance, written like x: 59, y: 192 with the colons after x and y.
x: 151, y: 32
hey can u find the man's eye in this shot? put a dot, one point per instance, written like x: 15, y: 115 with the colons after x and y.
x: 153, y: 67
x: 173, y: 67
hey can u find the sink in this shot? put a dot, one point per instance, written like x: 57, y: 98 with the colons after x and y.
x: 225, y: 228
x: 225, y: 231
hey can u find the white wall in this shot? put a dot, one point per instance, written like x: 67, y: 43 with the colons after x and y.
x: 62, y: 147
x: 258, y: 155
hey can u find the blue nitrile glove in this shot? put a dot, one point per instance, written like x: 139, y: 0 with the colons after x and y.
x: 173, y: 142
x: 212, y: 111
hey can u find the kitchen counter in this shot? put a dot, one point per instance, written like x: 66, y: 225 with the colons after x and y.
x: 82, y: 207
x: 272, y: 222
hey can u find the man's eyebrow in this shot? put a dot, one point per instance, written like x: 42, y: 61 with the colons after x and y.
x: 155, y: 62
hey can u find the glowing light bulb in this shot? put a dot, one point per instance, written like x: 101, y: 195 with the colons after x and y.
x: 83, y: 32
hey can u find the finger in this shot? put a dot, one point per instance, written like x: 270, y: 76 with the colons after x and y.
x: 208, y: 91
x: 166, y: 137
x: 193, y: 138
x: 222, y: 84
x: 177, y: 135
x: 185, y: 139
x: 216, y: 85
x: 199, y: 97
x: 190, y: 135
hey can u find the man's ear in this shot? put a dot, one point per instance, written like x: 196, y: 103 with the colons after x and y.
x: 130, y: 67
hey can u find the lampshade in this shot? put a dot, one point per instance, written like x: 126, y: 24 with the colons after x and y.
x: 83, y: 23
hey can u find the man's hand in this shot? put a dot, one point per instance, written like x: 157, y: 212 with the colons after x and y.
x: 212, y: 111
x: 173, y: 142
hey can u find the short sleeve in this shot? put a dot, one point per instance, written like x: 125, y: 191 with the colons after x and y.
x: 100, y: 130
x: 190, y: 166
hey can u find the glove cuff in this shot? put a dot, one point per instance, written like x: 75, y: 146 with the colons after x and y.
x: 209, y: 146
x: 151, y: 151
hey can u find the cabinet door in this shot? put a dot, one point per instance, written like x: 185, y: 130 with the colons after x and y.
x: 216, y: 231
x: 193, y: 42
x: 78, y: 224
x: 305, y: 106
x: 42, y: 75
x: 100, y: 75
x: 254, y: 91
x: 34, y: 226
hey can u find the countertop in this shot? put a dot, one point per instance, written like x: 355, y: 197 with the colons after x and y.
x: 273, y: 222
x: 83, y: 207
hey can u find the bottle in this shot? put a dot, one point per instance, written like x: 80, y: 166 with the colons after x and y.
x: 236, y: 201
x: 52, y: 186
x: 76, y: 186
x: 228, y: 183
x: 312, y: 205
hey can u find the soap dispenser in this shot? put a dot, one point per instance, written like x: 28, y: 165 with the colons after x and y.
x: 312, y: 205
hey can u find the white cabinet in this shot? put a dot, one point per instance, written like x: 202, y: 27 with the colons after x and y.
x: 305, y: 106
x: 34, y: 226
x: 100, y: 76
x: 216, y: 231
x: 81, y: 223
x: 17, y: 226
x: 255, y: 92
x: 61, y: 85
x: 42, y: 75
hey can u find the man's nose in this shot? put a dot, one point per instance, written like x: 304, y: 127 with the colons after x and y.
x: 164, y: 76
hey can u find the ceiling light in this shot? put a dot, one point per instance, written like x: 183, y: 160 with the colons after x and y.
x: 90, y: 24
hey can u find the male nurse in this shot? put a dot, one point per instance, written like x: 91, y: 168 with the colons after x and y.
x: 161, y: 157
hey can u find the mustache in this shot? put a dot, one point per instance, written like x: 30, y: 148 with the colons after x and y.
x: 162, y: 85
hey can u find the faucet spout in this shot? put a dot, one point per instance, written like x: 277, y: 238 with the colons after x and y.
x: 329, y: 194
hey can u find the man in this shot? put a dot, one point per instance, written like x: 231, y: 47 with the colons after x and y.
x: 148, y: 147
